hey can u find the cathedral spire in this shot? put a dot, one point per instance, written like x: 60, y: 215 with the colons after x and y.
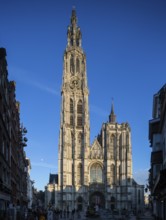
x: 73, y: 17
x: 74, y: 33
x: 112, y: 116
x: 112, y: 108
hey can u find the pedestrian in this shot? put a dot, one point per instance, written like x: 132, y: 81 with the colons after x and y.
x: 68, y: 213
x: 60, y: 213
x: 49, y: 215
x: 73, y: 212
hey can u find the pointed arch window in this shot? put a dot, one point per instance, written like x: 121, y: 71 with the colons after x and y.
x: 71, y: 112
x: 79, y: 113
x: 71, y: 120
x: 120, y: 147
x: 113, y: 174
x: 79, y: 174
x: 79, y: 107
x: 77, y: 65
x: 80, y: 145
x: 112, y: 146
x: 71, y: 106
x: 72, y: 64
x: 96, y: 173
x: 79, y: 121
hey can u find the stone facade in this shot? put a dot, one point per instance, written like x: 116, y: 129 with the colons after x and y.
x: 101, y: 173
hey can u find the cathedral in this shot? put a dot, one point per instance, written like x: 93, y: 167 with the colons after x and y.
x: 89, y: 175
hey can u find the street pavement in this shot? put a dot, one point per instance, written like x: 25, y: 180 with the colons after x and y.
x: 107, y: 216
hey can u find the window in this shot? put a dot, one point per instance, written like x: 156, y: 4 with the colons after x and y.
x: 71, y: 120
x: 79, y: 113
x: 112, y: 145
x: 64, y: 179
x: 77, y: 65
x: 79, y: 120
x: 79, y: 107
x: 71, y: 112
x: 96, y: 174
x: 71, y: 106
x: 72, y: 64
x: 112, y: 174
x: 79, y: 147
x: 120, y: 147
x: 79, y: 174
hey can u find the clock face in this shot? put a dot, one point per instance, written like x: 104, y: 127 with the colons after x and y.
x: 75, y: 83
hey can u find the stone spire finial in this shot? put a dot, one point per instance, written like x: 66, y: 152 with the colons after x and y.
x: 74, y: 33
x: 112, y: 116
x: 112, y: 107
x: 73, y: 17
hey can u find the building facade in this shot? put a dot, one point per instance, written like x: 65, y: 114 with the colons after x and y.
x: 13, y: 185
x: 101, y: 173
x: 157, y: 138
x: 50, y: 190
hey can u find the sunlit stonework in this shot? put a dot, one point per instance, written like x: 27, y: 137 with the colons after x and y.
x: 98, y: 174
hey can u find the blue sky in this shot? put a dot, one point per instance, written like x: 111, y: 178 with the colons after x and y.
x: 125, y: 46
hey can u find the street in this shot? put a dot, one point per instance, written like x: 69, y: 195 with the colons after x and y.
x: 104, y: 215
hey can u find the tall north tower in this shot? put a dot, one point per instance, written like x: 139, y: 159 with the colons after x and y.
x: 74, y: 139
x: 96, y: 175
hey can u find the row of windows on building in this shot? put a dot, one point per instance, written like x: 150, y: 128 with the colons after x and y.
x: 72, y: 64
x: 79, y: 113
x: 5, y: 175
x: 75, y: 65
x: 96, y: 174
x: 120, y: 153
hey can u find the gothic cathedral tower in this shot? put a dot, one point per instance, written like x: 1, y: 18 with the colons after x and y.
x: 97, y: 175
x: 74, y: 139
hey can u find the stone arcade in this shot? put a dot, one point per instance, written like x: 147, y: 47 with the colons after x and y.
x: 100, y: 173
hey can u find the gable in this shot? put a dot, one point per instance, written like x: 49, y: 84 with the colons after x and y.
x: 96, y: 150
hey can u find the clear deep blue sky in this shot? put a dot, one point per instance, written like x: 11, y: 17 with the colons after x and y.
x: 125, y: 46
